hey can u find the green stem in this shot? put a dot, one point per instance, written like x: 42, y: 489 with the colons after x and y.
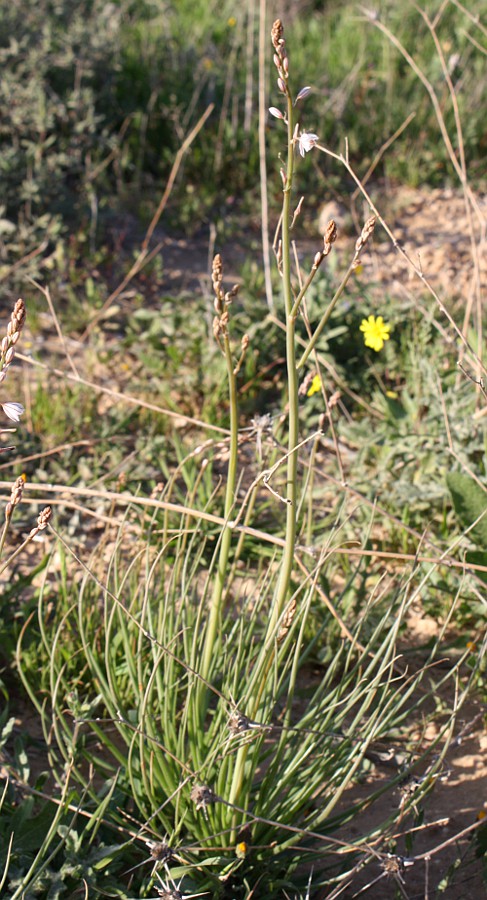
x: 213, y: 630
x: 18, y: 551
x: 293, y: 421
x: 4, y: 533
x: 290, y: 536
x: 326, y: 315
x: 299, y: 298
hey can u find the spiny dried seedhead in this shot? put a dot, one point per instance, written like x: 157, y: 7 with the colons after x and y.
x: 160, y: 850
x: 202, y: 796
x: 169, y: 893
x: 395, y: 865
x: 238, y: 723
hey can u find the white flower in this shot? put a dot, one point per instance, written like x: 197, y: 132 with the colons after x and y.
x: 13, y: 410
x: 306, y: 142
x: 276, y: 112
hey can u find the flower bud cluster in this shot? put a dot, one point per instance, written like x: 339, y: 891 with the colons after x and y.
x: 222, y: 299
x: 7, y: 347
x: 15, y: 496
x: 329, y: 236
x: 366, y: 233
x: 43, y: 520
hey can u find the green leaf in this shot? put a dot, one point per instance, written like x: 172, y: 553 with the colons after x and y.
x: 478, y: 558
x: 470, y: 502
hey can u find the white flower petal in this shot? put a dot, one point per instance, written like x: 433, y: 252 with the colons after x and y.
x: 13, y: 410
x: 307, y: 141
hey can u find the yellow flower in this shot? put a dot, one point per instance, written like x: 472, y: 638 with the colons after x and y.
x: 241, y: 850
x: 315, y: 386
x: 376, y: 331
x: 231, y: 22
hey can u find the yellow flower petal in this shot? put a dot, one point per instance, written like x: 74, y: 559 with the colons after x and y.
x: 375, y: 331
x: 315, y: 386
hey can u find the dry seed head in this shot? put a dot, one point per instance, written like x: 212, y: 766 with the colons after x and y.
x: 202, y: 795
x: 238, y: 723
x: 160, y: 850
x: 169, y: 894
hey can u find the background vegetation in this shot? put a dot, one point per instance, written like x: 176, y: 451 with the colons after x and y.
x: 126, y: 395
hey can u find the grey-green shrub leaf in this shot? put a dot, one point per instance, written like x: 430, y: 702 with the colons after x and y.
x: 469, y: 502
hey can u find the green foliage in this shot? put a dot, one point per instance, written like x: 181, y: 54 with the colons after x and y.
x: 470, y: 504
x: 122, y: 676
x: 95, y: 102
x: 188, y: 690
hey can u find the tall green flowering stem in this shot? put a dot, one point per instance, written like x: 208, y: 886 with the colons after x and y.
x: 213, y: 629
x: 239, y: 782
x: 293, y: 400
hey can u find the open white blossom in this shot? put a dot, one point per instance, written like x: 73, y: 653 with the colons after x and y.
x: 306, y: 142
x: 13, y: 410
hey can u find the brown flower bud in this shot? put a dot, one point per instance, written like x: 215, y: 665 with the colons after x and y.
x: 331, y: 232
x: 44, y: 518
x: 277, y: 33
